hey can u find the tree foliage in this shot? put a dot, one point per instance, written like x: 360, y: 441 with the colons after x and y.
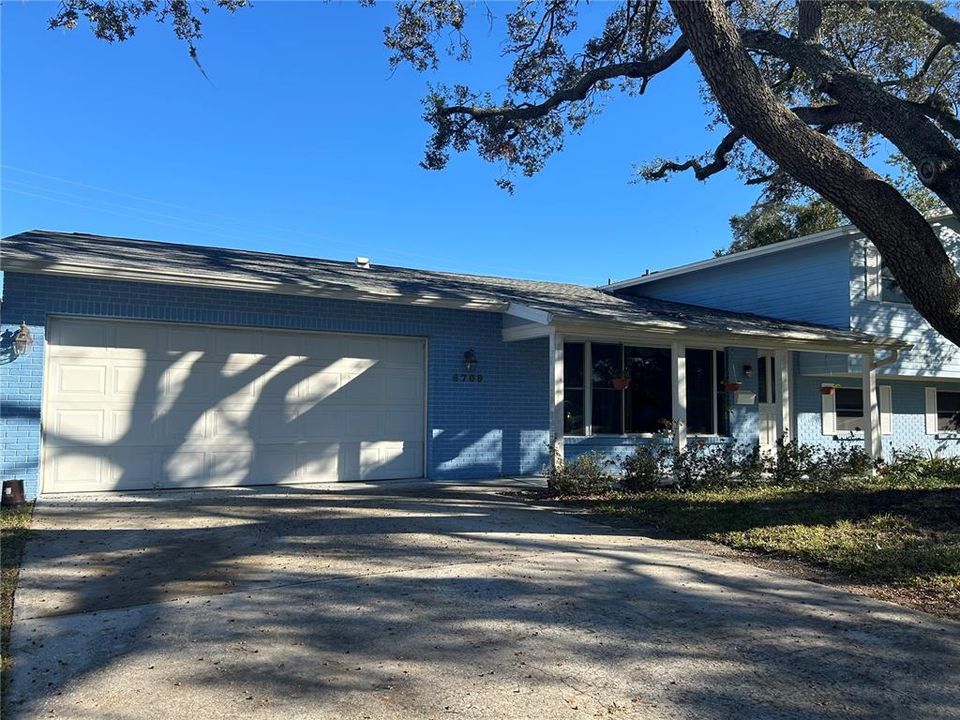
x: 803, y: 95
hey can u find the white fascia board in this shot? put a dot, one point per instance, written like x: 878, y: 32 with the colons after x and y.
x: 541, y: 317
x: 208, y: 281
x: 661, y: 334
x: 527, y: 332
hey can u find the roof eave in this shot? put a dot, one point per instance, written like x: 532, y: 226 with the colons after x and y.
x: 262, y: 286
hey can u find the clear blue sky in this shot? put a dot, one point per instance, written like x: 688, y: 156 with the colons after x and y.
x: 304, y: 142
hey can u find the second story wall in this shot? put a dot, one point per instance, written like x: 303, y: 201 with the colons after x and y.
x: 807, y: 284
x: 872, y: 310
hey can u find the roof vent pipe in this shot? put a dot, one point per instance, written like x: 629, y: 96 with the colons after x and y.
x: 363, y: 262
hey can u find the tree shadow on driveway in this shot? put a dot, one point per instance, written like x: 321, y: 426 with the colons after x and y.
x: 420, y: 601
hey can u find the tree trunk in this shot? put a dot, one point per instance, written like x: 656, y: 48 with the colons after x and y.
x: 907, y: 243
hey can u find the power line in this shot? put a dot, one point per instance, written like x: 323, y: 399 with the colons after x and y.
x: 226, y: 232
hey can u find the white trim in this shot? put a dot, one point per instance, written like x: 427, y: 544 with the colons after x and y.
x: 872, y: 275
x: 930, y: 401
x: 783, y: 246
x: 872, y: 441
x: 556, y: 396
x: 525, y: 332
x: 886, y: 409
x: 587, y: 388
x: 652, y: 334
x: 678, y: 380
x: 783, y: 394
x: 828, y: 412
x: 528, y: 313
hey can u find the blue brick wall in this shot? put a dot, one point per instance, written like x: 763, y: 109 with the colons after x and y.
x: 497, y: 427
x: 908, y: 410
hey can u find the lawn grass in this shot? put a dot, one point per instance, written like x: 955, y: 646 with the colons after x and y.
x: 896, y: 541
x: 14, y: 530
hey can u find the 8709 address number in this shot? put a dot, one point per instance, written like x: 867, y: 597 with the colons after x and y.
x: 467, y: 377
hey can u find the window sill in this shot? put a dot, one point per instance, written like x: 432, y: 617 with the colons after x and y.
x: 633, y: 437
x: 848, y: 437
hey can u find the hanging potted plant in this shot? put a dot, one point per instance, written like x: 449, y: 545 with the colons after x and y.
x: 732, y: 385
x: 828, y: 389
x: 620, y: 380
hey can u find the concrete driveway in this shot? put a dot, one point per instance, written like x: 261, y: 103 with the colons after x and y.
x: 426, y: 601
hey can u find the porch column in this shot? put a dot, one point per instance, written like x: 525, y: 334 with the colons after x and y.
x: 556, y: 397
x: 783, y: 381
x: 678, y: 356
x: 872, y: 439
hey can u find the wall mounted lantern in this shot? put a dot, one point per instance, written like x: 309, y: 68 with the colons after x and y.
x: 748, y: 370
x: 22, y: 341
x: 470, y: 360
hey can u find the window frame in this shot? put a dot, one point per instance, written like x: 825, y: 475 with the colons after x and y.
x: 936, y: 409
x: 588, y: 387
x: 836, y: 412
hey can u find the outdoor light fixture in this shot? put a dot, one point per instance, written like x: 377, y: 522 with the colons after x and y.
x: 22, y: 341
x: 748, y: 370
x: 470, y: 360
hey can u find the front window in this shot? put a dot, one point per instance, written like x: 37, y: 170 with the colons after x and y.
x: 629, y: 390
x: 849, y: 404
x: 573, y: 389
x: 948, y: 411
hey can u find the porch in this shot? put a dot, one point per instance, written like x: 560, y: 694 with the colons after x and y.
x: 613, y: 386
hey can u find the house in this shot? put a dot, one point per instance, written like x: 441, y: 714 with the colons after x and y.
x: 131, y: 365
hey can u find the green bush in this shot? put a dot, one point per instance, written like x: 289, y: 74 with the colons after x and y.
x: 586, y: 475
x: 643, y: 469
x: 915, y: 466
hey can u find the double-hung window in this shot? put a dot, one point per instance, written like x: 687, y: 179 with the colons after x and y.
x: 943, y: 411
x: 614, y: 389
x: 849, y: 409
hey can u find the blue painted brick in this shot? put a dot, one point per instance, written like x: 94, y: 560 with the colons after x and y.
x: 497, y: 428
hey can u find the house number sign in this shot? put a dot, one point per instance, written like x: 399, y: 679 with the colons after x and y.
x: 468, y: 377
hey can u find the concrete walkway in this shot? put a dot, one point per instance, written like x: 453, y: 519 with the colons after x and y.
x: 429, y: 601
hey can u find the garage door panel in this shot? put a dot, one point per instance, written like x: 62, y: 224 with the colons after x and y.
x: 400, y: 424
x: 135, y: 467
x: 237, y: 343
x: 184, y: 338
x: 364, y: 388
x: 184, y: 468
x: 404, y: 387
x: 141, y: 339
x: 182, y: 406
x: 78, y: 424
x: 82, y: 337
x: 319, y: 462
x: 81, y: 378
x: 229, y: 467
x: 274, y: 464
x: 384, y: 460
x: 70, y: 470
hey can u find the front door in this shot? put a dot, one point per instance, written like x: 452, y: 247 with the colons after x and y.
x: 767, y: 420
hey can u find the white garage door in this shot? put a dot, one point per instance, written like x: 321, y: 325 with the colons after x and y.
x: 153, y: 405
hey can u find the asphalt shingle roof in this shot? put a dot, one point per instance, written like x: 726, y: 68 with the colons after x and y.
x: 48, y: 251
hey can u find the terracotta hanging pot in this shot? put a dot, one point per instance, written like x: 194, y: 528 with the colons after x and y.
x: 620, y: 383
x: 732, y: 385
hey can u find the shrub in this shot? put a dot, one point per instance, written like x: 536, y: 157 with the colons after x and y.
x: 643, y: 469
x: 913, y: 466
x: 585, y: 475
